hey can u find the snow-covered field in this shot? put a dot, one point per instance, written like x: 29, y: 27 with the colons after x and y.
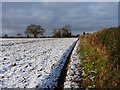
x: 26, y: 63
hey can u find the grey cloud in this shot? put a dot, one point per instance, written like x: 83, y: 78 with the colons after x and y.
x: 87, y: 17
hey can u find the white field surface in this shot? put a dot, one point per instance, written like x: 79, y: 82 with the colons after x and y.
x: 30, y: 63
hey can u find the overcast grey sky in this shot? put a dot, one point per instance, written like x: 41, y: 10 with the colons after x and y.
x: 81, y: 16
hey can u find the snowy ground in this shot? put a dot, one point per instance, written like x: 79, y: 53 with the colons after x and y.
x: 33, y: 63
x: 73, y: 77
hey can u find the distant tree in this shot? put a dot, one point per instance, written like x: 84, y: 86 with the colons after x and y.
x: 66, y: 31
x: 62, y: 32
x: 5, y: 35
x: 19, y: 35
x: 77, y: 35
x: 83, y: 33
x: 34, y: 30
x: 56, y: 33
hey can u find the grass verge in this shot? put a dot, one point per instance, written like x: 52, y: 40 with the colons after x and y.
x: 100, y: 59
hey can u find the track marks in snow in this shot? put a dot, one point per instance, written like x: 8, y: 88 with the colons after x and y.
x: 33, y: 64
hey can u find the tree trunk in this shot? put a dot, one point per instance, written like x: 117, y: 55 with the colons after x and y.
x: 28, y: 36
x: 35, y: 35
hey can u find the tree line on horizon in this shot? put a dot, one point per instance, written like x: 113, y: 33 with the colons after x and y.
x: 37, y: 31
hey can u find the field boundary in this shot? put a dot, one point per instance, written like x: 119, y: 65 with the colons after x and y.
x: 61, y: 79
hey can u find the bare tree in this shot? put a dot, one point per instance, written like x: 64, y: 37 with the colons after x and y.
x: 66, y: 31
x: 34, y: 30
x: 62, y: 32
x: 56, y: 33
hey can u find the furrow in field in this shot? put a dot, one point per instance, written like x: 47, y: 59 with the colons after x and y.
x: 10, y: 42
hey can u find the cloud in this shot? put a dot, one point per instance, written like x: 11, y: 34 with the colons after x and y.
x: 82, y: 16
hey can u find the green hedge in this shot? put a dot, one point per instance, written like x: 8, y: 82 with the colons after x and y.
x: 110, y: 37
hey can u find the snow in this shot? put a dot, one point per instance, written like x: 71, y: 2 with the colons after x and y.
x: 73, y: 77
x: 30, y: 63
